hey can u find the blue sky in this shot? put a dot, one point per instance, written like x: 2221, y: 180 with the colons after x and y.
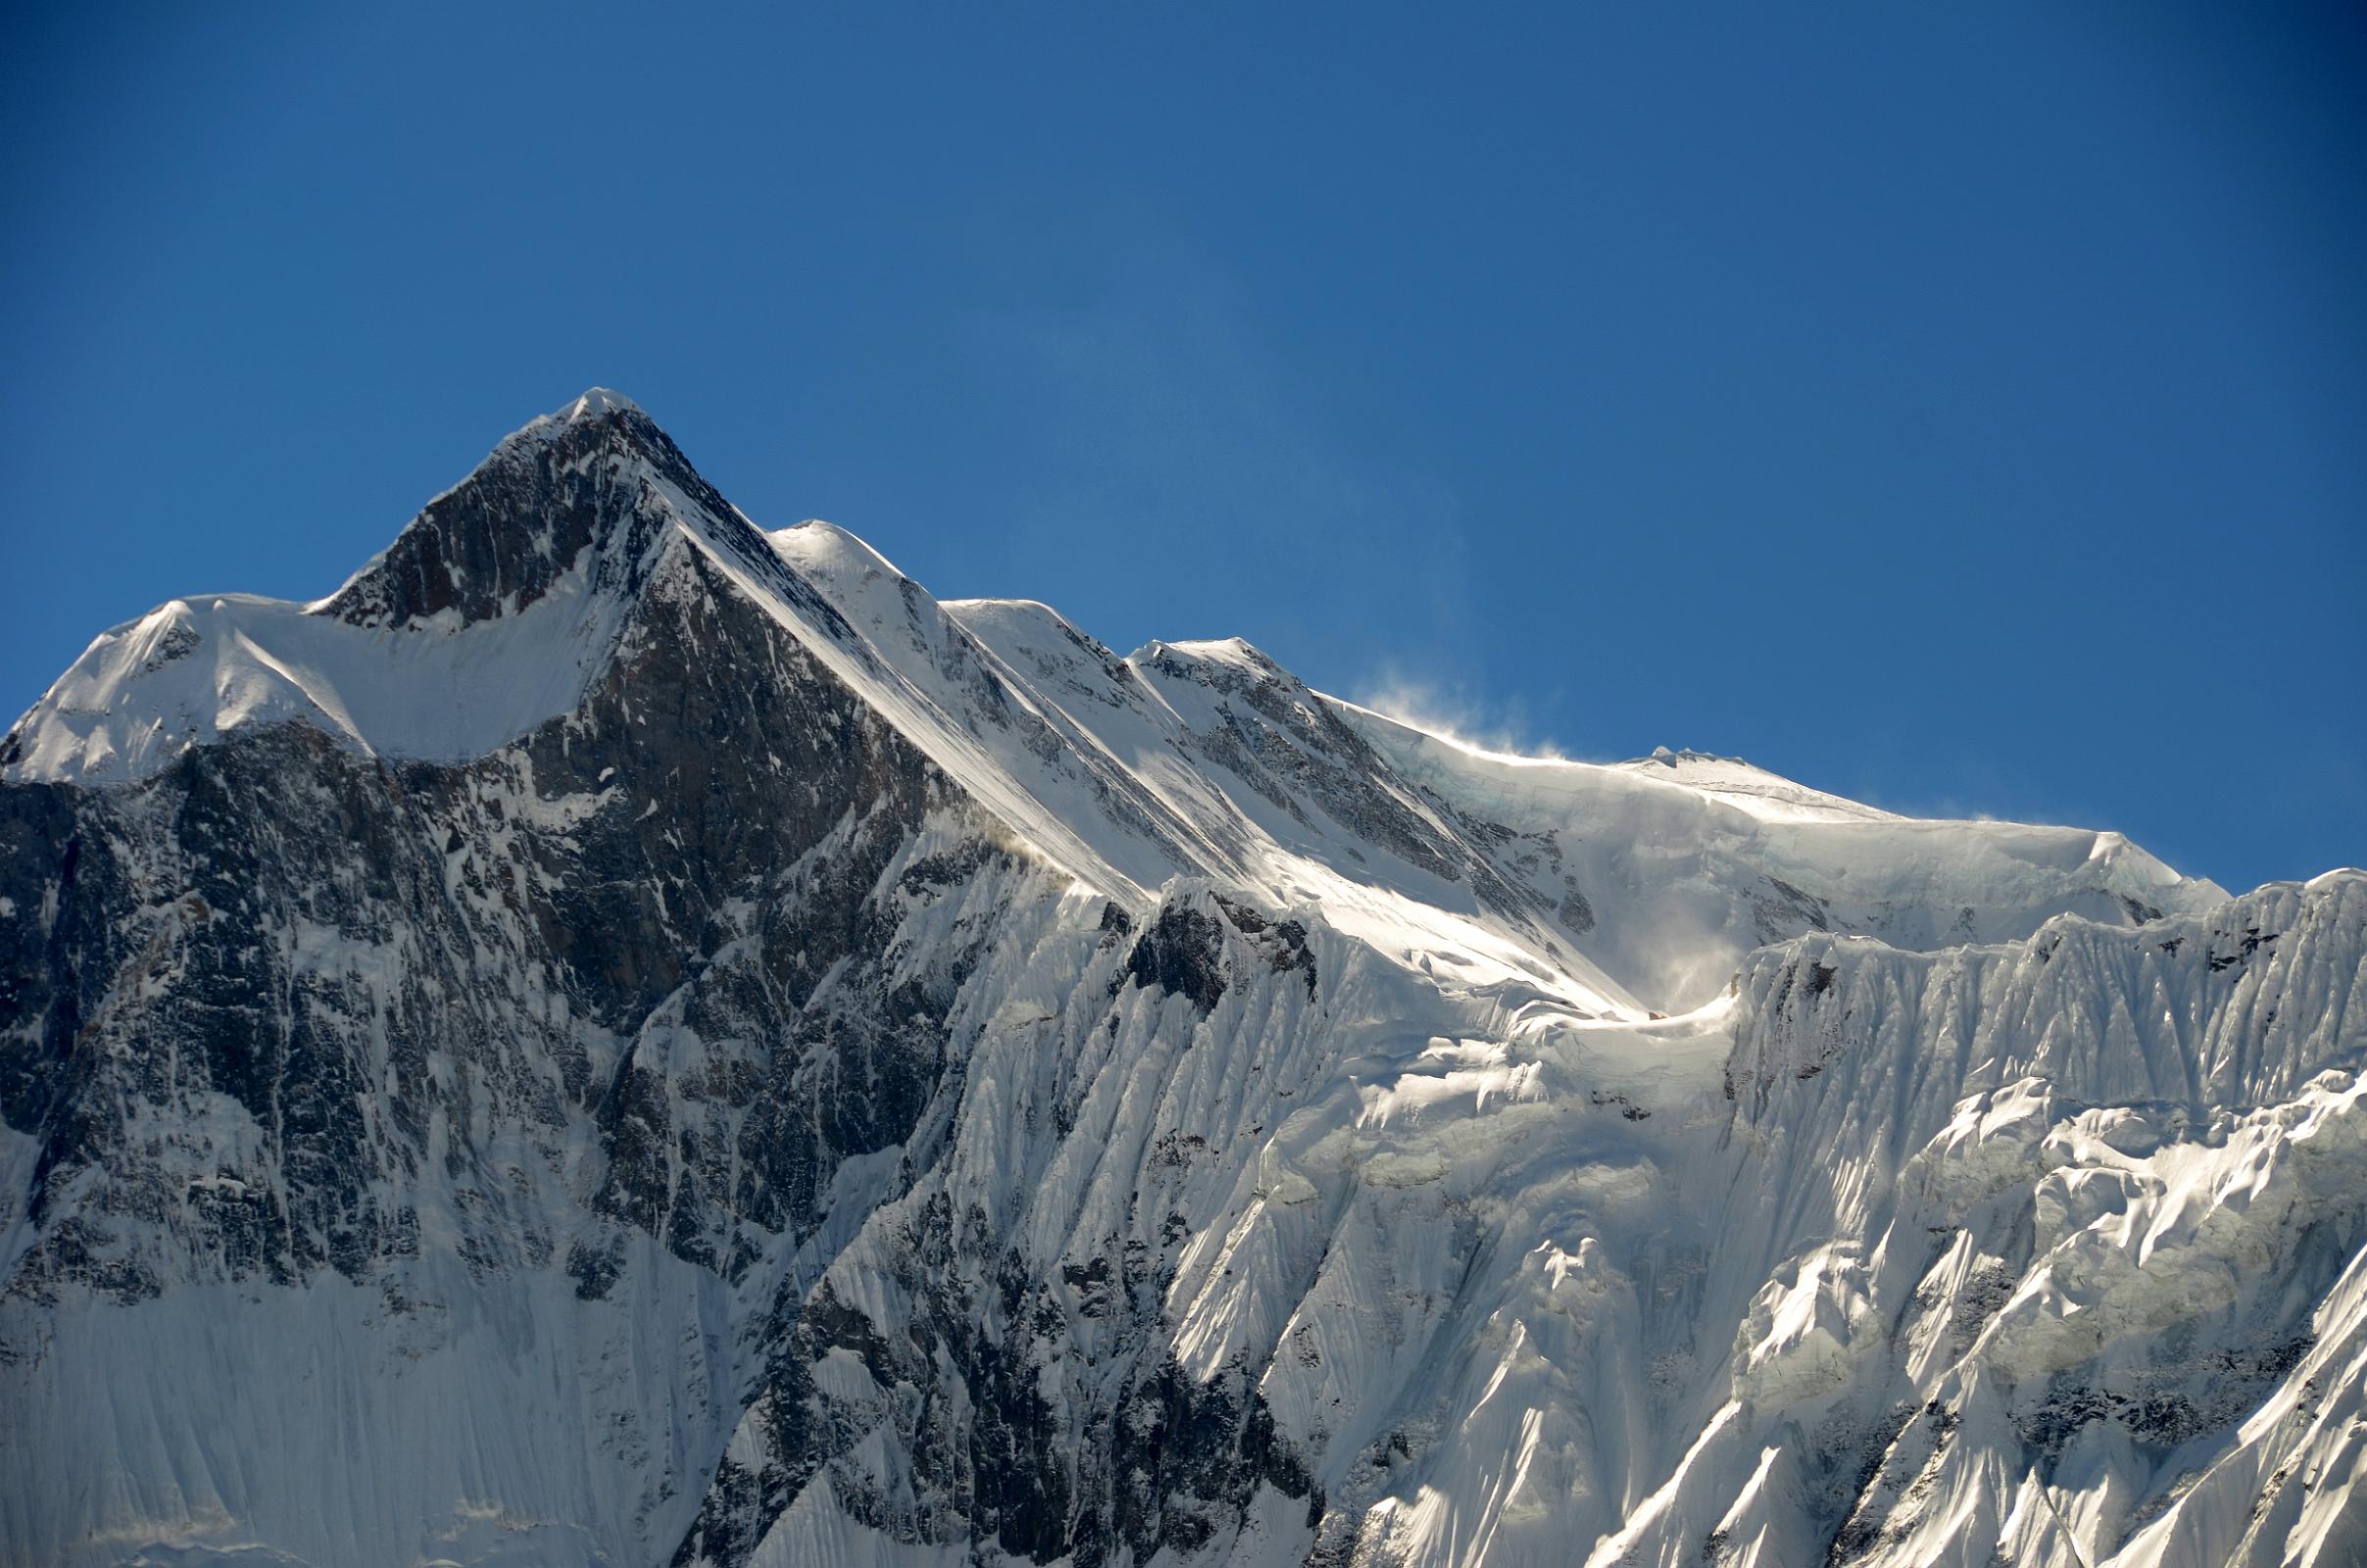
x: 1962, y: 408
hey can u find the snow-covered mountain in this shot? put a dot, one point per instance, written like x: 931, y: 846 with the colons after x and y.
x: 621, y: 1038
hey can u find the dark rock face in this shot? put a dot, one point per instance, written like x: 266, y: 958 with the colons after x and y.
x: 1182, y: 953
x: 481, y: 948
x: 497, y: 542
x: 1159, y: 1460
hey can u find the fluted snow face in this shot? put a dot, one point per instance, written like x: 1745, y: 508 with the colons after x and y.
x: 619, y: 1037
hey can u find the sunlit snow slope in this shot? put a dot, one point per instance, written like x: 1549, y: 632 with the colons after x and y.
x: 619, y: 1037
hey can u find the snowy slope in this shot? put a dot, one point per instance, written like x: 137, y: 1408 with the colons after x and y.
x: 1698, y: 860
x: 622, y: 1037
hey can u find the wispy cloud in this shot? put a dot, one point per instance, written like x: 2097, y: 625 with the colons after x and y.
x: 1450, y: 710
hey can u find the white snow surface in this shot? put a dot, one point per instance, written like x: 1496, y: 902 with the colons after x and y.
x: 191, y: 673
x: 1947, y: 1121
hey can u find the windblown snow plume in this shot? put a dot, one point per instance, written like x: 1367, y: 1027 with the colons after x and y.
x: 621, y: 1038
x: 1445, y: 710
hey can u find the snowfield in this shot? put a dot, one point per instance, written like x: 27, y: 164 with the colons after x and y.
x: 619, y: 1037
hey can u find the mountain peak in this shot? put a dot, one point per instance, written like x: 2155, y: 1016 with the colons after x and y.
x: 1227, y: 664
x: 595, y: 402
x: 577, y: 479
x: 593, y: 407
x: 538, y: 556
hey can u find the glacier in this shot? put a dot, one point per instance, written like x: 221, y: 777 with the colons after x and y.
x: 622, y: 1037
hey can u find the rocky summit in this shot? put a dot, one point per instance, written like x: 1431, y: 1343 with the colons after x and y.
x: 621, y: 1038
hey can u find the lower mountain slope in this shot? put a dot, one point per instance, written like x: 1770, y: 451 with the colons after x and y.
x: 620, y: 1038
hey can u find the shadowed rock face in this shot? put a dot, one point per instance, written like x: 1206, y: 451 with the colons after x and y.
x: 507, y: 954
x: 495, y: 543
x: 705, y: 1129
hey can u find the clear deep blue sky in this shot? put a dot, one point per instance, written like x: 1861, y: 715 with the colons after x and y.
x: 1960, y: 407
